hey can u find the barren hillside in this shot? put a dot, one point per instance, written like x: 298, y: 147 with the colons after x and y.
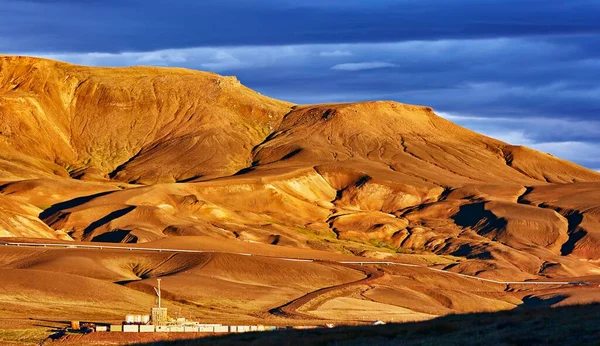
x: 140, y: 153
x: 178, y: 157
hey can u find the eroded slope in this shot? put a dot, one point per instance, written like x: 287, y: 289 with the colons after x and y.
x: 133, y: 124
x: 139, y: 154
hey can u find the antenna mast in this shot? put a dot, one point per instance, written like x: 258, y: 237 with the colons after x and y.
x: 157, y: 290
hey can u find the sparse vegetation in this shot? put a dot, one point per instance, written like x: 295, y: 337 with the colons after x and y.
x: 390, y: 248
x: 31, y: 336
x: 316, y: 233
x: 69, y: 168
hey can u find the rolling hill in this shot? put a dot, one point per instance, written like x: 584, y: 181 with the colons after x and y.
x: 178, y: 157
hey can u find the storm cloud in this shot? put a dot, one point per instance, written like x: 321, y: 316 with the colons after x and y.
x: 527, y: 72
x: 141, y: 25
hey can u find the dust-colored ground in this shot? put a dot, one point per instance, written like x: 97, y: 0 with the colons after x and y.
x: 182, y: 159
x: 44, y: 288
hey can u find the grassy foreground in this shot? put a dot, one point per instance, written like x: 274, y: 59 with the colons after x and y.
x: 31, y: 336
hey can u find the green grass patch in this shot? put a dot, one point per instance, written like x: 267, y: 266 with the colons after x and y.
x: 390, y: 248
x: 316, y: 233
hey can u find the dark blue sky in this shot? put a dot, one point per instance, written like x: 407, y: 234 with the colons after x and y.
x: 525, y: 71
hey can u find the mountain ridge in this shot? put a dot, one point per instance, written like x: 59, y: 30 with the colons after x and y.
x: 117, y: 94
x: 138, y: 154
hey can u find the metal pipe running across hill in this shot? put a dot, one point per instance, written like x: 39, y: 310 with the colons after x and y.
x: 103, y: 247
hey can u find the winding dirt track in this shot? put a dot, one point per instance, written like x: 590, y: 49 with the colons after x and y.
x: 290, y: 309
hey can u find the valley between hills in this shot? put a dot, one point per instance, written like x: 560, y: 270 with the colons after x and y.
x: 172, y: 158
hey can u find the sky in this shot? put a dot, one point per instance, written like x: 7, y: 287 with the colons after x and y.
x: 523, y: 71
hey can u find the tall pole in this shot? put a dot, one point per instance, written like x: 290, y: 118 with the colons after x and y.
x: 158, y: 292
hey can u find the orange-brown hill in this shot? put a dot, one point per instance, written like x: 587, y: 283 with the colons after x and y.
x: 141, y: 153
x: 148, y: 125
x: 138, y: 124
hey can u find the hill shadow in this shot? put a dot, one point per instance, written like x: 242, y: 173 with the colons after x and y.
x: 477, y: 217
x: 71, y: 203
x: 537, y: 302
x: 575, y: 232
x: 116, y: 236
x: 106, y: 219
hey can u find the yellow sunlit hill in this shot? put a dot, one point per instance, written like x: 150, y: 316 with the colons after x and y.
x: 172, y: 158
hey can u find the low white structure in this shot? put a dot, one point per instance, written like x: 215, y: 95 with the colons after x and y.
x: 221, y: 329
x: 176, y: 328
x: 162, y: 329
x: 146, y: 328
x: 131, y: 328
